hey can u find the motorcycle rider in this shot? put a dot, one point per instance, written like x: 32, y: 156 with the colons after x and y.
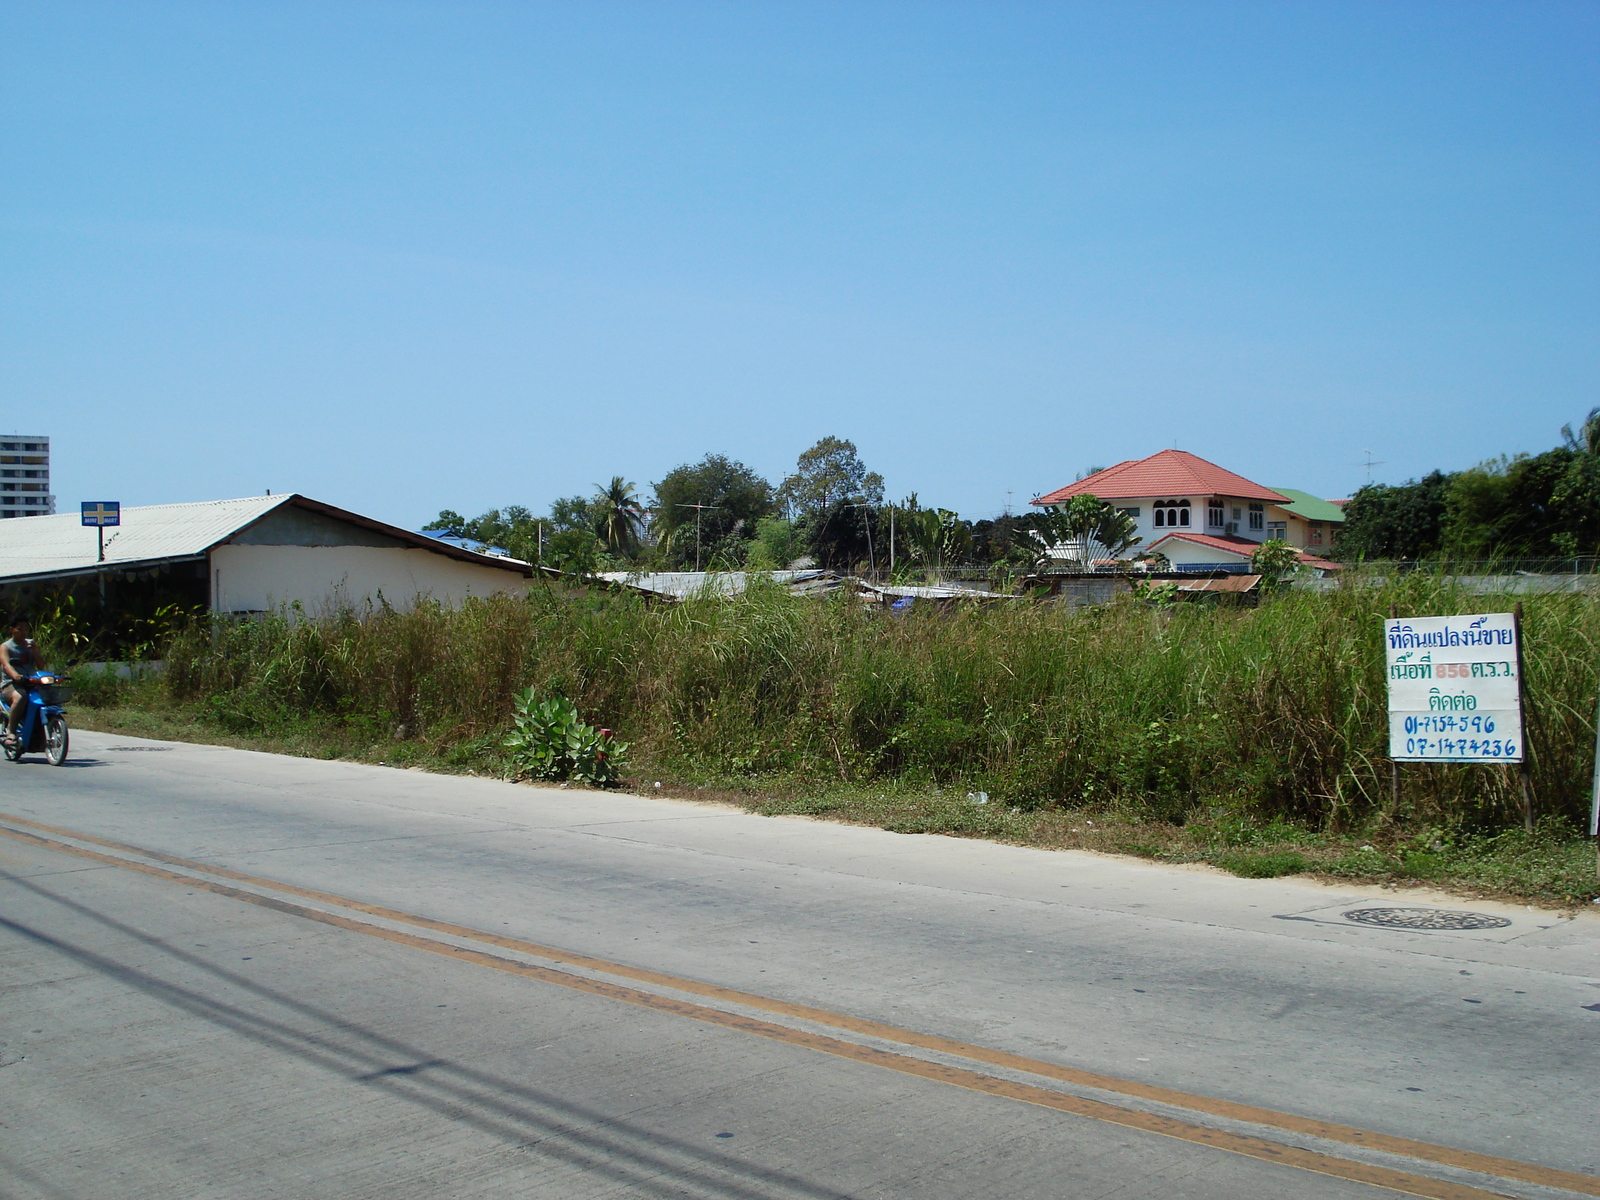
x: 19, y: 659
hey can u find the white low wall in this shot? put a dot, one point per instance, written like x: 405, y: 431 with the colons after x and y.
x: 261, y: 578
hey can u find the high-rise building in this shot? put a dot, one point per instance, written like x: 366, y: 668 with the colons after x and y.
x: 25, y: 476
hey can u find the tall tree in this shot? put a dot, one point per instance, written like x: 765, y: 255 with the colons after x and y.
x: 1538, y: 506
x: 827, y: 473
x: 447, y: 522
x: 726, y: 499
x: 840, y: 537
x: 571, y: 512
x: 1587, y: 439
x: 513, y: 529
x: 998, y: 540
x: 618, y: 515
x: 1404, y: 522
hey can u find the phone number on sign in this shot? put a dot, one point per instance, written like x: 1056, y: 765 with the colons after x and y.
x: 1448, y: 723
x: 1462, y: 747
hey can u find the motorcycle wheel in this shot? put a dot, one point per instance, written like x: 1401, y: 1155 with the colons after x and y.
x: 55, y: 740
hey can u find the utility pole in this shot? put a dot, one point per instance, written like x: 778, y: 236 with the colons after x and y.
x: 891, y: 543
x: 872, y: 564
x: 698, y: 509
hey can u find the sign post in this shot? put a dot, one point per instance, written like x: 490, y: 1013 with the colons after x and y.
x: 1594, y: 790
x: 1455, y: 691
x: 101, y: 513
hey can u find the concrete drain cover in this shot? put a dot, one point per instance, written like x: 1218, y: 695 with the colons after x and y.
x: 1424, y: 918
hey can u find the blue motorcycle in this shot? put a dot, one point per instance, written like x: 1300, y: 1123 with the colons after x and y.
x: 43, y: 728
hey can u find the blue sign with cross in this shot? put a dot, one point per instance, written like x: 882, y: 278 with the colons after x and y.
x: 101, y: 513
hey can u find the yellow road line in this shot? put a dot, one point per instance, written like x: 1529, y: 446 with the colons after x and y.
x: 1253, y: 1147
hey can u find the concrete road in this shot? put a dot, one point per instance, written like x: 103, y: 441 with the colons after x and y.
x: 226, y: 974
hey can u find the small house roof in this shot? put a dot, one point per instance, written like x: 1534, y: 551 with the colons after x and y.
x: 1243, y: 547
x: 1165, y: 473
x: 1304, y: 504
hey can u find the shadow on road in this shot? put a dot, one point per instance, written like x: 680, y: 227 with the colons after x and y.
x: 643, y: 1160
x: 71, y: 762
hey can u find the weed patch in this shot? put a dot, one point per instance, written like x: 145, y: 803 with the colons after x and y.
x: 1241, y: 737
x: 1258, y: 865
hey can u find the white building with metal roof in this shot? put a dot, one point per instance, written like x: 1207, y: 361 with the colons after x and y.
x: 252, y: 555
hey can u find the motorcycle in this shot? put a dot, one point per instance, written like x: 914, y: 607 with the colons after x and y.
x: 43, y: 727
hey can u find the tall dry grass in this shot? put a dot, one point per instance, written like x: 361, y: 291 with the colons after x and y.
x: 1278, y: 711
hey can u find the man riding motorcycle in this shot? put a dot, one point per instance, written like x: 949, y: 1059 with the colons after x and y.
x: 20, y: 658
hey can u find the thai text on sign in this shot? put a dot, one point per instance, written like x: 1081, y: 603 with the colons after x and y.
x: 1454, y: 690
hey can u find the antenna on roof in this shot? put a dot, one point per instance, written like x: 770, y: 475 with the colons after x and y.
x: 698, y: 509
x: 1369, y: 464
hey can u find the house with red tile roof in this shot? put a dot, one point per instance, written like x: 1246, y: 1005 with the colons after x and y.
x: 1205, y: 517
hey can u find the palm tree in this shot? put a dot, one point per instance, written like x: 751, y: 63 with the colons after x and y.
x: 618, y: 515
x: 1085, y: 519
x: 1586, y: 441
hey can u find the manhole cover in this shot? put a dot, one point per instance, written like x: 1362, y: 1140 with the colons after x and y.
x: 1424, y: 918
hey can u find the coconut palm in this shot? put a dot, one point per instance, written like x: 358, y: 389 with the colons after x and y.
x: 618, y: 515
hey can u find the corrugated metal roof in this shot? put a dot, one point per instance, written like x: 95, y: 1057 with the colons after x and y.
x: 933, y: 592
x: 31, y: 546
x: 1165, y: 473
x: 679, y: 585
x: 1233, y: 583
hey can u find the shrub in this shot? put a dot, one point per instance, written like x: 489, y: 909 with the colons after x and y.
x: 550, y: 741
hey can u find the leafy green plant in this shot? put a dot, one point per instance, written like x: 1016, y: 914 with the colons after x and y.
x: 1275, y: 561
x: 1255, y: 865
x: 1157, y: 593
x: 551, y: 741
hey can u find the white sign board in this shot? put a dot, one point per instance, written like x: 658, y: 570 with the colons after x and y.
x: 1454, y: 695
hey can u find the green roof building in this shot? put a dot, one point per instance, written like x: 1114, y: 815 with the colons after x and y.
x: 1309, y: 507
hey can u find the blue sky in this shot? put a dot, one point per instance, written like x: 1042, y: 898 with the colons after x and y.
x: 402, y: 257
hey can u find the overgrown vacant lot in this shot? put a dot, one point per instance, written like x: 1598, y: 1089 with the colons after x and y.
x: 1255, y: 738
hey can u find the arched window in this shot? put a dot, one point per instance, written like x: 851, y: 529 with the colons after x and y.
x: 1172, y: 514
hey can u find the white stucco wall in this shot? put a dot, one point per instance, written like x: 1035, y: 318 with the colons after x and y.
x: 260, y: 578
x: 1147, y: 531
x: 1199, y: 517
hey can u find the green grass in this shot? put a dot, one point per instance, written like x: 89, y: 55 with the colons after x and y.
x: 1255, y: 864
x: 1244, y: 737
